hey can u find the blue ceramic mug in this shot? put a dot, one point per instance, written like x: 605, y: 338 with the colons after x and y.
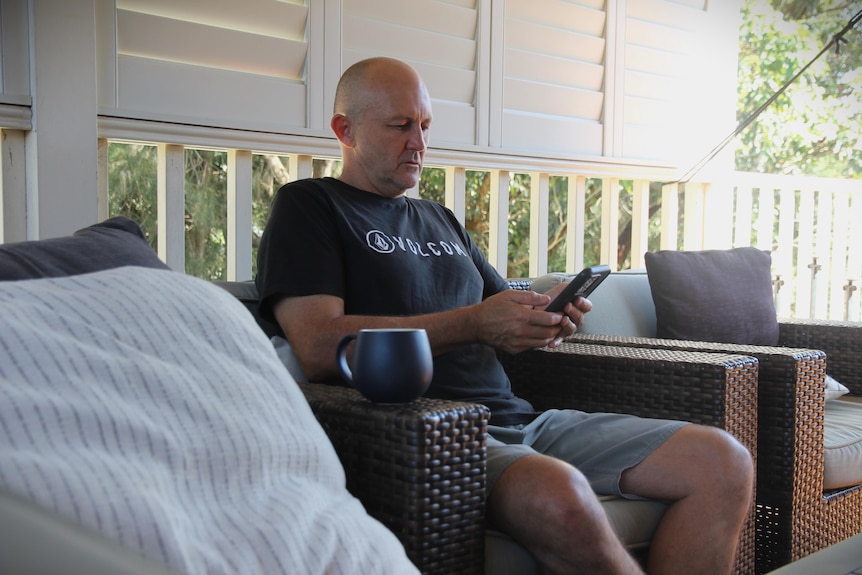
x: 389, y: 365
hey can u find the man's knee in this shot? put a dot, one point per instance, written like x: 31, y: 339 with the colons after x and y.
x: 548, y: 506
x: 543, y: 487
x: 696, y: 459
x: 732, y: 455
x: 726, y: 461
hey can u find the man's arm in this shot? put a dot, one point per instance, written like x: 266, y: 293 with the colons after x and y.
x: 315, y: 324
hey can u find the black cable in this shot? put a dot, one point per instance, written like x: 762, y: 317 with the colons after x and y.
x: 837, y: 39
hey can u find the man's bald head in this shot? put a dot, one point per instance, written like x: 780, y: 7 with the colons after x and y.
x: 364, y: 83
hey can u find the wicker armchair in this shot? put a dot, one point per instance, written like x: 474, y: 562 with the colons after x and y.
x: 420, y: 468
x: 795, y: 517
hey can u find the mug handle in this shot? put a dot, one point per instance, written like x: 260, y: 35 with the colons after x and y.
x: 341, y: 357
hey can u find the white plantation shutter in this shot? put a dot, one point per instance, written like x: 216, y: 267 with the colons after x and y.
x: 215, y: 62
x: 632, y: 80
x: 438, y: 38
x: 673, y: 88
x: 554, y: 75
x: 635, y: 79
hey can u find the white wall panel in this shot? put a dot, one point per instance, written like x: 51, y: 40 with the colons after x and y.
x: 14, y: 54
x: 62, y: 148
x: 553, y: 76
x: 673, y: 81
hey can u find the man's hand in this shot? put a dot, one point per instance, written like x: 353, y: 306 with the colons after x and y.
x: 515, y: 320
x: 574, y: 311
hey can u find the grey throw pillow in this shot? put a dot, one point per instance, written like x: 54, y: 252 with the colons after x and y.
x: 113, y: 243
x: 714, y: 295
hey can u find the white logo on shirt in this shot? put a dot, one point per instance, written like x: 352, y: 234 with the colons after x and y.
x: 384, y: 244
x: 380, y: 242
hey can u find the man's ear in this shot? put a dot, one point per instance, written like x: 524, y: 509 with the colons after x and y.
x: 343, y: 129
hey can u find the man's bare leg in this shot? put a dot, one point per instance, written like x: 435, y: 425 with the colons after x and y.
x: 548, y: 506
x: 707, y: 476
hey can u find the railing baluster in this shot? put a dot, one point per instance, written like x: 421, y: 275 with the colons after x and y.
x: 669, y: 216
x: 498, y: 240
x: 849, y: 296
x: 777, y: 284
x: 815, y: 268
x: 610, y: 221
x: 456, y: 192
x: 576, y: 229
x: 239, y: 216
x: 640, y: 222
x: 171, y: 205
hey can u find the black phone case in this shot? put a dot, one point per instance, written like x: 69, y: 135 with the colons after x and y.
x: 583, y: 285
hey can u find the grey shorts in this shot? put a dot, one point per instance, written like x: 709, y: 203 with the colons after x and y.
x: 599, y: 445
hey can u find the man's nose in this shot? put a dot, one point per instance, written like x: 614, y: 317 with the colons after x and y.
x: 417, y: 139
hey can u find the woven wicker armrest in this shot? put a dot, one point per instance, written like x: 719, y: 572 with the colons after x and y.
x: 418, y: 468
x: 705, y: 388
x: 712, y: 389
x: 841, y: 340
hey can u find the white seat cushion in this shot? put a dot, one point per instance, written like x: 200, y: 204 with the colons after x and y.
x: 843, y: 443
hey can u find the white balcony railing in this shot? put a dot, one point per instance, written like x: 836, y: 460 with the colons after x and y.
x: 809, y: 224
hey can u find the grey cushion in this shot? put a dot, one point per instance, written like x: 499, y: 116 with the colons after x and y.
x: 622, y: 305
x: 714, y: 295
x: 116, y: 242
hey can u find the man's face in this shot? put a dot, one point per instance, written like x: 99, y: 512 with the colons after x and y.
x: 391, y: 137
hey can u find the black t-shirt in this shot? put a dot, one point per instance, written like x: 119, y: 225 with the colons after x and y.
x: 391, y: 257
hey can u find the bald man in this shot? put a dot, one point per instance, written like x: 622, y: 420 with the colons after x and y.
x: 339, y: 255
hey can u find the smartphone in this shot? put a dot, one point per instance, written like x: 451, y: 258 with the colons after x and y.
x: 582, y: 284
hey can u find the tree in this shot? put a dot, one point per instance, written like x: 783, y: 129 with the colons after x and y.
x: 132, y: 186
x: 814, y: 128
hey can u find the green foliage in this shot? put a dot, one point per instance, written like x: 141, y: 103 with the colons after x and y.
x: 206, y: 214
x: 432, y: 187
x: 132, y: 191
x: 132, y: 188
x: 814, y: 128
